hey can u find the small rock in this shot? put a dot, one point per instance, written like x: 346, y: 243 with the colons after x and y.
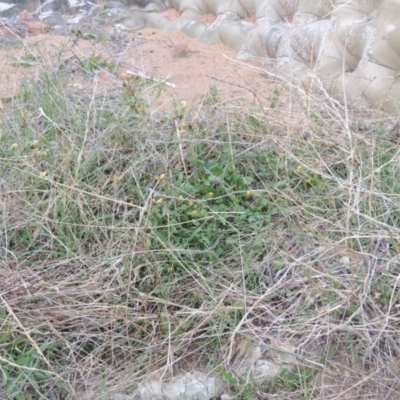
x: 5, y: 6
x: 153, y: 7
x: 118, y: 396
x: 13, y: 29
x: 55, y: 19
x: 264, y: 370
x: 11, y: 12
x: 25, y: 16
x: 134, y: 22
x: 193, y: 385
x: 37, y: 28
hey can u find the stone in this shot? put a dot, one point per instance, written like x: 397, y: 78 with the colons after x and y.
x: 25, y: 15
x: 350, y: 47
x: 37, y: 28
x: 11, y: 12
x: 193, y: 385
x: 5, y: 6
x: 136, y: 21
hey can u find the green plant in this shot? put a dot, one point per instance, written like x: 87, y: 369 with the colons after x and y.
x: 239, y: 388
x: 95, y: 63
x: 27, y: 60
x: 298, y: 379
x: 133, y: 240
x: 25, y: 366
x: 211, y: 97
x: 180, y: 51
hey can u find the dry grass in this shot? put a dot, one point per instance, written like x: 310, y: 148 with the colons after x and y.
x: 133, y: 243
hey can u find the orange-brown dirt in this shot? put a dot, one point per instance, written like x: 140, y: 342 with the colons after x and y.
x: 187, y: 66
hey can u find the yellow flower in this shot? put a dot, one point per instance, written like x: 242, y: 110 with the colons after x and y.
x: 190, y: 202
x: 43, y: 174
x: 309, y: 181
x: 248, y: 193
x: 42, y: 153
x: 170, y: 269
x: 180, y: 197
x: 251, y: 132
x: 154, y: 201
x: 14, y: 146
x: 159, y: 201
x: 210, y: 194
x: 194, y: 212
x: 115, y: 178
x: 299, y: 167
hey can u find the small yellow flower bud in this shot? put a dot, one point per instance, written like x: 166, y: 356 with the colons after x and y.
x: 251, y: 132
x: 14, y: 146
x: 248, y: 193
x: 43, y: 174
x: 154, y: 201
x: 115, y: 178
x: 180, y: 197
x: 194, y: 212
x: 190, y: 202
x: 210, y: 194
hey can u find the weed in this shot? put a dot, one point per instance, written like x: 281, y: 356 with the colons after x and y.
x: 95, y: 63
x: 181, y: 50
x: 133, y: 241
x: 211, y: 98
x: 274, y: 98
x: 28, y: 60
x: 239, y: 388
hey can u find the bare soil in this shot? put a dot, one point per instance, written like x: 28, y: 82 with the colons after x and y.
x: 188, y: 67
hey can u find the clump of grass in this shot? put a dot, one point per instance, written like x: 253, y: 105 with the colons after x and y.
x: 27, y: 60
x: 96, y: 63
x: 181, y: 50
x: 133, y: 242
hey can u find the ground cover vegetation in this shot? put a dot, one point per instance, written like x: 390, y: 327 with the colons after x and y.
x: 133, y: 240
